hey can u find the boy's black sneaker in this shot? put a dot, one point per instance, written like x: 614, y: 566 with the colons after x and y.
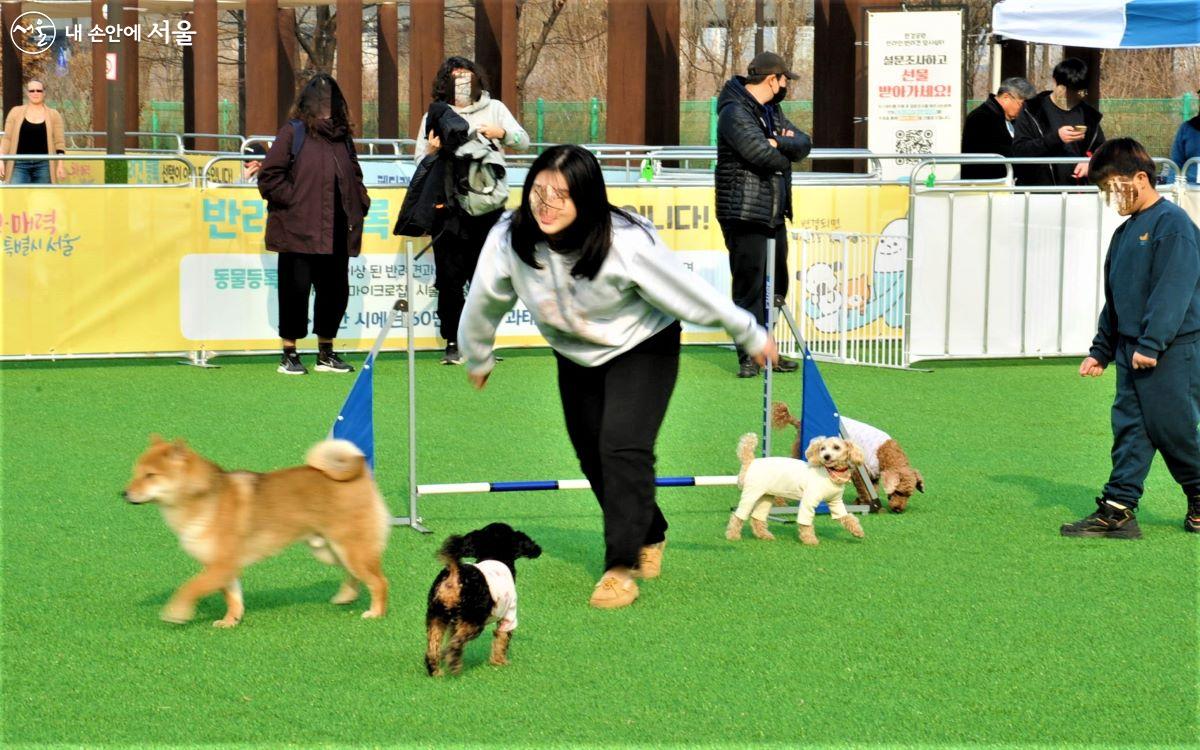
x: 290, y: 364
x: 786, y: 365
x: 1191, y: 521
x: 452, y: 357
x: 331, y: 362
x: 1108, y: 521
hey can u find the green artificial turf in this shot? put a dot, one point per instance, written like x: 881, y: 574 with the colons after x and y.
x: 967, y: 621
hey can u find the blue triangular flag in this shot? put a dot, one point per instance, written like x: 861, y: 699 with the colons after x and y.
x: 819, y: 417
x: 356, y: 421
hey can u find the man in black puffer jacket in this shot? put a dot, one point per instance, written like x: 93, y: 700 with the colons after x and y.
x: 756, y: 146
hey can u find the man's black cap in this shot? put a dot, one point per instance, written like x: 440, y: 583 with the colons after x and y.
x: 770, y: 64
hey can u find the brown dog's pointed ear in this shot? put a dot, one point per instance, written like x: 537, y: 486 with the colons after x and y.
x: 155, y: 438
x: 891, y: 480
x: 813, y: 453
x: 856, y: 454
x: 179, y: 448
x: 920, y: 482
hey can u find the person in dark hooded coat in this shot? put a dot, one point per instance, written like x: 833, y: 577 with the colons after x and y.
x: 316, y: 205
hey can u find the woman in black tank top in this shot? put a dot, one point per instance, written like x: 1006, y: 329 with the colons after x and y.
x: 32, y: 130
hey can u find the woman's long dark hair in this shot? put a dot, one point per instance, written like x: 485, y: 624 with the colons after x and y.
x: 591, y: 232
x: 320, y: 89
x: 443, y: 82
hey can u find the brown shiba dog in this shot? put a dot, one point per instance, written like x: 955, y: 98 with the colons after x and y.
x: 230, y: 519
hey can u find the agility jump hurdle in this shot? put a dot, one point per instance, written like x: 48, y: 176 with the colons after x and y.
x: 355, y: 422
x: 468, y: 488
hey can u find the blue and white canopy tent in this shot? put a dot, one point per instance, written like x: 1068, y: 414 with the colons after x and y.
x: 1106, y: 24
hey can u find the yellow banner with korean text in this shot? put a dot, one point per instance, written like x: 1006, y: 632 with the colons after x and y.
x: 150, y: 270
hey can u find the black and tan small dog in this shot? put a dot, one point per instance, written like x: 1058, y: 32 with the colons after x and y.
x: 465, y: 597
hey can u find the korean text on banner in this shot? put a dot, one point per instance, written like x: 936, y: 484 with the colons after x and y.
x: 914, y: 87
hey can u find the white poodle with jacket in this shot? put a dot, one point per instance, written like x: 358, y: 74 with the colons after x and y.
x: 822, y: 478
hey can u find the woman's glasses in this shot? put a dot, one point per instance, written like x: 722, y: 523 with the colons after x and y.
x: 551, y: 197
x: 36, y: 91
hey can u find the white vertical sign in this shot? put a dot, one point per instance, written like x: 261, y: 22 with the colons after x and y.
x: 914, y: 86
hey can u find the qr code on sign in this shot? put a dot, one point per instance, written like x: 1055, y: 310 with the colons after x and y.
x: 914, y: 141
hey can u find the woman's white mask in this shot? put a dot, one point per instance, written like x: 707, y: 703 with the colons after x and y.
x: 462, y: 90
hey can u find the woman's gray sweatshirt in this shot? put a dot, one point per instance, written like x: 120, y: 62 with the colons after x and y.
x: 640, y: 290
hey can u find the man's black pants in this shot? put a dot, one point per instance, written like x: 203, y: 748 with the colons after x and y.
x: 747, y: 245
x: 613, y: 414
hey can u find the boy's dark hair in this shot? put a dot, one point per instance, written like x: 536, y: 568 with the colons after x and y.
x: 443, y: 82
x: 1120, y: 157
x: 1071, y: 73
x: 591, y: 232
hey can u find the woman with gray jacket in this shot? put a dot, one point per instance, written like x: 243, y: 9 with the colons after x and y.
x: 457, y: 235
x: 608, y: 295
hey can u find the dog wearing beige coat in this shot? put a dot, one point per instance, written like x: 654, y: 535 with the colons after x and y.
x: 822, y: 478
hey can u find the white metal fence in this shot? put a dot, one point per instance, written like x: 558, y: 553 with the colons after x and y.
x: 849, y: 295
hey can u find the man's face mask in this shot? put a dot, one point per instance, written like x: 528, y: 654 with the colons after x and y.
x: 1121, y: 193
x: 782, y: 93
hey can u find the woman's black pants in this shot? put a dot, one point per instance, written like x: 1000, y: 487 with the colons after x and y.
x: 613, y: 413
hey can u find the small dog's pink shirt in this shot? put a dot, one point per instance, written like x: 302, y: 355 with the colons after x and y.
x: 503, y: 589
x: 792, y: 479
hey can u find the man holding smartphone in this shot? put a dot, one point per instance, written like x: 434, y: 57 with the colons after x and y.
x: 1058, y: 123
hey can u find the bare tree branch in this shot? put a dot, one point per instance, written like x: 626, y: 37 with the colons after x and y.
x: 535, y: 49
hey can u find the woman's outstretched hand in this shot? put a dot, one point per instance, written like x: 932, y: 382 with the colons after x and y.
x: 769, y: 353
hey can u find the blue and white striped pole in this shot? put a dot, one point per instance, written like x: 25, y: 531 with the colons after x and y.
x: 472, y: 488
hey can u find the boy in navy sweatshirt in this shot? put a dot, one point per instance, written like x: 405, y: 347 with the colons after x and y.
x: 1150, y: 328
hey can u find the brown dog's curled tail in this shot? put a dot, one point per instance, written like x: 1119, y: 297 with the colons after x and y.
x: 340, y: 460
x: 745, y: 452
x: 781, y: 417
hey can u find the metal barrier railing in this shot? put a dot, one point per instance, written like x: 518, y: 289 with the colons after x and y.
x: 1193, y: 163
x: 71, y: 135
x: 190, y: 173
x: 928, y: 161
x: 400, y: 147
x: 207, y: 177
x: 688, y: 154
x: 1040, y: 315
x: 219, y: 137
